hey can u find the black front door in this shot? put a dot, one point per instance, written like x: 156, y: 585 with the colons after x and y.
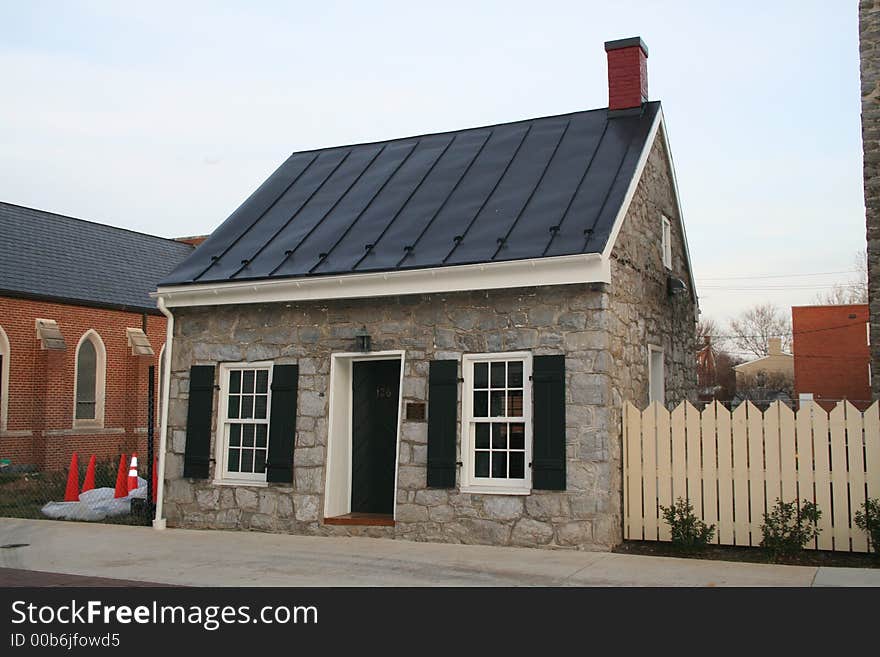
x: 375, y: 403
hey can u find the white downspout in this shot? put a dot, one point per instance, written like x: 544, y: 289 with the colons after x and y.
x: 159, y: 522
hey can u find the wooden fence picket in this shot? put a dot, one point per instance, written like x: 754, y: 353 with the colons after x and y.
x: 855, y: 446
x: 649, y: 469
x: 839, y: 506
x: 741, y: 475
x: 822, y: 473
x: 709, y: 442
x: 724, y: 476
x: 664, y: 468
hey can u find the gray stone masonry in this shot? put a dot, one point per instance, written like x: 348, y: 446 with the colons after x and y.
x: 869, y: 50
x: 603, y: 331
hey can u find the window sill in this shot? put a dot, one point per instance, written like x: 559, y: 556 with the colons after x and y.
x: 241, y: 482
x: 481, y: 490
x: 362, y: 520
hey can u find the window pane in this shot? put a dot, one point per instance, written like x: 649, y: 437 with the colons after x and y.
x: 482, y: 439
x: 499, y: 465
x: 235, y: 381
x: 247, y: 435
x: 234, y: 435
x: 260, y: 461
x: 481, y: 404
x: 261, y: 435
x: 260, y: 406
x: 499, y: 436
x: 517, y: 465
x: 517, y: 436
x: 247, y: 460
x: 515, y: 403
x: 247, y: 406
x: 515, y: 374
x: 497, y: 403
x: 262, y: 380
x: 234, y: 407
x: 481, y: 375
x: 85, y: 410
x: 233, y: 461
x: 86, y: 373
x: 497, y: 375
x: 481, y: 465
x: 247, y: 381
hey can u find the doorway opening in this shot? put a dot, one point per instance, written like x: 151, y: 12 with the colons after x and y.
x: 363, y: 442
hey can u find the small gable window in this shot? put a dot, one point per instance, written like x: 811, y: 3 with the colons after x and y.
x: 89, y: 382
x: 666, y: 242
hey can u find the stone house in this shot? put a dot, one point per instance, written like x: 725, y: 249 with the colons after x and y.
x: 431, y: 338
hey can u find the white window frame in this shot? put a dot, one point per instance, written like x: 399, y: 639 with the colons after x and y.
x: 652, y: 397
x: 666, y: 240
x: 5, y: 350
x: 100, y: 381
x: 470, y: 483
x: 221, y: 434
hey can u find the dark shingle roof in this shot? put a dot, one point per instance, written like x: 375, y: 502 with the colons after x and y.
x: 543, y: 187
x: 49, y: 255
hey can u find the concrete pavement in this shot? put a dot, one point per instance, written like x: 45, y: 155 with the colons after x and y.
x: 227, y: 558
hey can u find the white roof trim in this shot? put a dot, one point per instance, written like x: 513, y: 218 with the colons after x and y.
x: 659, y: 124
x: 558, y: 270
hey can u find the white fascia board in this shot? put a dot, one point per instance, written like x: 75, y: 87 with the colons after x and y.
x: 658, y: 125
x: 557, y: 270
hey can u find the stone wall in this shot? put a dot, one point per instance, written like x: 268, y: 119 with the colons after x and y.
x: 549, y: 320
x: 869, y: 48
x: 641, y: 312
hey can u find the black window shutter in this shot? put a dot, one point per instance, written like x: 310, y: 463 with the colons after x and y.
x: 197, y: 454
x: 282, y: 424
x: 442, y: 416
x: 548, y: 451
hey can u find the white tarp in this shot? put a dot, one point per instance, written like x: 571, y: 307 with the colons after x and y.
x: 95, y: 504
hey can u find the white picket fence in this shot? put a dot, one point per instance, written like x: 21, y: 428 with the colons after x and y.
x: 732, y: 466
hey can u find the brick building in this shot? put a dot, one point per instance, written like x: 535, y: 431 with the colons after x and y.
x: 78, y: 332
x: 832, y: 359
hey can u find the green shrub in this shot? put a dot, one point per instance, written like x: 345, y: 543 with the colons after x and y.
x: 688, y: 531
x: 788, y: 527
x: 868, y: 520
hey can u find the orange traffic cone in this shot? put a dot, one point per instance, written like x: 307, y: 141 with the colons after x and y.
x: 133, y: 473
x: 155, y: 477
x: 71, y: 493
x: 121, y: 481
x: 89, y: 482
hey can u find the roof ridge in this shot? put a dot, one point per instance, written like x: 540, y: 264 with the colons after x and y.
x: 96, y: 223
x: 455, y: 130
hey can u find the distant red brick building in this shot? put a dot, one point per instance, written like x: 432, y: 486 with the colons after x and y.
x: 832, y: 353
x: 78, y: 332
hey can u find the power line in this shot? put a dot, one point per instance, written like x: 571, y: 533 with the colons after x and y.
x: 738, y: 278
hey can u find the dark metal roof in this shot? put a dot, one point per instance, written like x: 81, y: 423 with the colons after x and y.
x: 543, y: 187
x: 46, y: 255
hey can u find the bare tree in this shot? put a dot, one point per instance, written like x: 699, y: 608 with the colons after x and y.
x: 750, y: 332
x: 853, y: 291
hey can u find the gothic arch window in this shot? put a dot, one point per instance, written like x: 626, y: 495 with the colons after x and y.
x: 88, y: 388
x: 4, y: 377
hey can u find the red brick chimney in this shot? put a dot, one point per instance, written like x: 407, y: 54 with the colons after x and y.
x: 627, y: 74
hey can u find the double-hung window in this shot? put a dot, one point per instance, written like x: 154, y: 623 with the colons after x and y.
x: 243, y: 432
x: 496, y: 423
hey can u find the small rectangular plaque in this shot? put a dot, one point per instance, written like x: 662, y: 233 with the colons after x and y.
x: 415, y: 411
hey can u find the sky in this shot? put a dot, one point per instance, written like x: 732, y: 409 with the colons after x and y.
x: 163, y: 117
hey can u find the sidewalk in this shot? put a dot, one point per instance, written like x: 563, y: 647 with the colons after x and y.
x: 226, y: 558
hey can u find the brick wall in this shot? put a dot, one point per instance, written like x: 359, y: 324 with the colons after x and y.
x: 40, y: 404
x: 831, y: 353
